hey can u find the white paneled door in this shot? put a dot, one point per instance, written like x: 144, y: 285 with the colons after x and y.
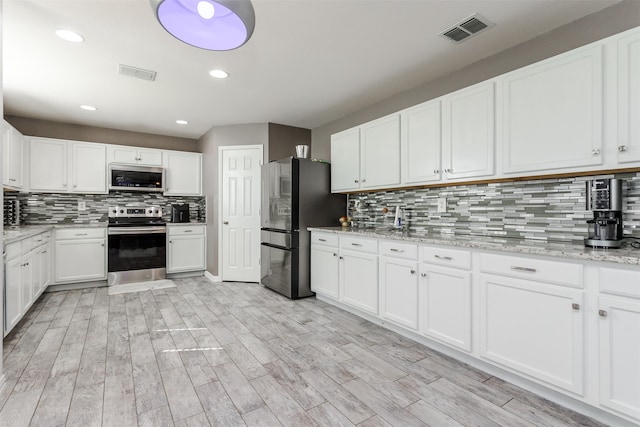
x: 240, y: 213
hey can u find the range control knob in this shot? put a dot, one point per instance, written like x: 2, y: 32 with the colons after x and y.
x: 121, y: 211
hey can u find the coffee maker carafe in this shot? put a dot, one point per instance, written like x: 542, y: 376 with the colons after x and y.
x: 604, y: 198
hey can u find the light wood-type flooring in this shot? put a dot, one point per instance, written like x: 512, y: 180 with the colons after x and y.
x: 235, y: 354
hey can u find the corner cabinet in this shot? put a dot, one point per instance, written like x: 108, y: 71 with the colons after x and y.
x: 183, y: 173
x: 552, y: 112
x: 367, y: 157
x: 186, y: 248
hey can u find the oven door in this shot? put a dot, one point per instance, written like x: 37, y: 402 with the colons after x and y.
x: 136, y: 249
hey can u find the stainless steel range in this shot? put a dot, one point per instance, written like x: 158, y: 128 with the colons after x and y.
x: 137, y: 244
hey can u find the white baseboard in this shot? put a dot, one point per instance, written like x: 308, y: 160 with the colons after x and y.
x: 211, y: 277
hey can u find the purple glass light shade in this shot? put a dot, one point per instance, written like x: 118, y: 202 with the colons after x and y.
x: 230, y: 27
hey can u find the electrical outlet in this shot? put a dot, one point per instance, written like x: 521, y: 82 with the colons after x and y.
x: 82, y: 205
x: 442, y: 204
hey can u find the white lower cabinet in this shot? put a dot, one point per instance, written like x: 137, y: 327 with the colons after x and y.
x: 12, y: 293
x: 325, y: 265
x: 81, y: 255
x: 534, y: 328
x: 399, y: 283
x: 186, y: 250
x: 359, y: 279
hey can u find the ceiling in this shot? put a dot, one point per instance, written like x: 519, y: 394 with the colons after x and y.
x: 308, y: 63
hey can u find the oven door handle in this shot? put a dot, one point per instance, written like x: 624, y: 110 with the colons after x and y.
x: 114, y: 231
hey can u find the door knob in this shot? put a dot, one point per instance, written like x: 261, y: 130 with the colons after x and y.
x: 225, y: 222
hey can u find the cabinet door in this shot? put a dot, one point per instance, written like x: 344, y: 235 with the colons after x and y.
x: 468, y: 132
x: 80, y: 260
x: 399, y: 291
x: 183, y: 173
x: 186, y: 253
x: 552, y: 113
x: 359, y: 280
x: 533, y: 328
x: 6, y: 153
x: 380, y: 153
x: 88, y: 168
x: 421, y: 140
x: 629, y: 98
x: 16, y: 160
x: 12, y: 294
x: 445, y: 305
x: 620, y: 355
x: 42, y: 269
x: 150, y: 157
x: 28, y: 281
x: 122, y: 154
x: 345, y: 160
x: 48, y: 165
x: 324, y: 271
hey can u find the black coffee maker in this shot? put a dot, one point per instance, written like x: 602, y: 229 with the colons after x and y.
x: 180, y: 213
x: 604, y: 198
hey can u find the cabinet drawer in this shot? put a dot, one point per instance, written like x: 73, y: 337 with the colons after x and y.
x: 450, y: 257
x: 399, y: 250
x: 325, y: 239
x: 41, y: 238
x: 358, y: 244
x: 620, y: 282
x: 186, y: 230
x: 80, y: 233
x: 12, y: 250
x: 561, y: 273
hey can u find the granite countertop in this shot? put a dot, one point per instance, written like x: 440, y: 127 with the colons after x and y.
x: 15, y: 234
x: 625, y: 255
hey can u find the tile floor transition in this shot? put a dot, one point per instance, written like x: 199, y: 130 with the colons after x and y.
x: 228, y: 354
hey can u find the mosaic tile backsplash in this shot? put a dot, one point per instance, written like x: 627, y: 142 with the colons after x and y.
x: 50, y: 208
x: 544, y: 209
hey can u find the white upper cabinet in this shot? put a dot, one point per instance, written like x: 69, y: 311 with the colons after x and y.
x: 552, y: 112
x: 12, y: 152
x: 134, y: 155
x: 380, y: 153
x: 367, y: 157
x: 66, y: 166
x: 88, y: 168
x: 629, y: 98
x: 468, y: 132
x: 183, y: 173
x: 420, y: 143
x: 345, y: 160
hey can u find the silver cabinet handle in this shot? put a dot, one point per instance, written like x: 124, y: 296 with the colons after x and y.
x: 188, y: 231
x: 322, y: 240
x: 602, y: 313
x: 356, y: 181
x: 622, y: 148
x: 413, y: 272
x: 396, y: 250
x: 170, y: 241
x: 81, y: 234
x: 102, y: 244
x: 336, y: 255
x: 423, y: 274
x: 356, y: 244
x: 575, y: 306
x: 446, y: 258
x: 364, y: 180
x: 341, y: 258
x: 527, y: 269
x: 595, y: 151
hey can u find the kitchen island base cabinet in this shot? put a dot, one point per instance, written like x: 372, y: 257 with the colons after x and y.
x: 534, y: 328
x: 359, y: 280
x: 81, y: 255
x: 186, y: 248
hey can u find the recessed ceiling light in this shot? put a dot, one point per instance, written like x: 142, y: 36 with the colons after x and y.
x: 70, y: 36
x: 88, y: 107
x: 219, y: 74
x: 182, y: 122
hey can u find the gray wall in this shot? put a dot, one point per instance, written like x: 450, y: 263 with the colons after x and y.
x: 283, y: 140
x: 49, y: 129
x: 208, y: 144
x: 610, y: 21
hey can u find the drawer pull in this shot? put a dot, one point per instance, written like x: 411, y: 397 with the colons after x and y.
x: 446, y: 258
x: 413, y: 272
x: 188, y: 231
x: 322, y: 240
x: 396, y: 250
x: 423, y: 274
x: 356, y: 244
x: 81, y: 234
x: 575, y: 306
x: 527, y: 269
x: 341, y: 258
x: 602, y: 313
x: 335, y: 254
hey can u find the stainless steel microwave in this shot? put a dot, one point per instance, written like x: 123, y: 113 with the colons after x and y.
x: 136, y: 178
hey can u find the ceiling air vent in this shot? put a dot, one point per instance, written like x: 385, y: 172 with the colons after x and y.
x: 466, y: 28
x: 138, y: 73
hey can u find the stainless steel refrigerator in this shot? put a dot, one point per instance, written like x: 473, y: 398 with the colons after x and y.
x: 296, y: 194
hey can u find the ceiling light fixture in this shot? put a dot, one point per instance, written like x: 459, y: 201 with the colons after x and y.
x: 182, y: 122
x: 69, y: 36
x: 88, y: 107
x: 219, y: 74
x: 207, y: 24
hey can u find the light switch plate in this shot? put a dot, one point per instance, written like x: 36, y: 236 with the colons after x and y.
x: 82, y: 205
x: 442, y: 204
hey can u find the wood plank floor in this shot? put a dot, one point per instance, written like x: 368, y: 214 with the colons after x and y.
x: 227, y: 354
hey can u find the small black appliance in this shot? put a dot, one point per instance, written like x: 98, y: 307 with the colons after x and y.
x: 180, y: 213
x: 604, y: 198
